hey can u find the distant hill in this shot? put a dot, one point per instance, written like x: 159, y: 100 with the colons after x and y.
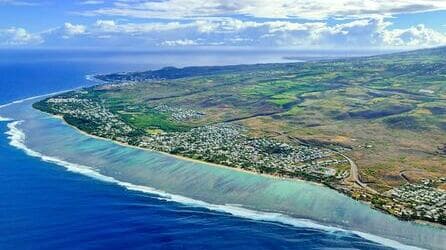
x: 386, y: 113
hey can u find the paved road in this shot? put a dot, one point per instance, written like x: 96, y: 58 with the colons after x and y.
x: 354, y: 174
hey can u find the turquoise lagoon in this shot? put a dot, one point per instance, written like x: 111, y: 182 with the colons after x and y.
x: 252, y: 196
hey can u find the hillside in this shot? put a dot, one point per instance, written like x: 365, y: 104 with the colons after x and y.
x: 384, y: 115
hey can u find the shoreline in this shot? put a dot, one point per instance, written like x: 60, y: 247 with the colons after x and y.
x: 234, y: 211
x: 344, y: 188
x: 367, y: 203
x: 433, y: 225
x: 93, y: 79
x: 188, y: 159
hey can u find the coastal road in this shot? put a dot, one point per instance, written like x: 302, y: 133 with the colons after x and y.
x: 354, y: 174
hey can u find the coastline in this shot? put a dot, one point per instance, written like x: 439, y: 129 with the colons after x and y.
x: 231, y: 209
x: 172, y: 181
x: 234, y: 210
x: 296, y: 179
x: 94, y: 79
x: 185, y: 158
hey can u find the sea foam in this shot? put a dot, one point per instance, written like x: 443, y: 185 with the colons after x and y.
x: 28, y: 99
x: 17, y: 139
x: 4, y: 119
x: 92, y: 78
x: 36, y: 97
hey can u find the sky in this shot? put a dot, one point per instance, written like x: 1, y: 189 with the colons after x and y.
x: 302, y: 24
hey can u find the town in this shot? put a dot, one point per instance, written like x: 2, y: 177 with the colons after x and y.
x: 223, y: 143
x: 179, y: 114
x: 184, y: 130
x: 228, y: 145
x: 424, y: 200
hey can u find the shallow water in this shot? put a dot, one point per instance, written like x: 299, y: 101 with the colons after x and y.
x: 220, y: 189
x: 42, y: 206
x: 115, y: 197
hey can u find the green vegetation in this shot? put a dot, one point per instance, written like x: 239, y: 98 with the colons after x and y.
x: 390, y: 110
x: 153, y: 120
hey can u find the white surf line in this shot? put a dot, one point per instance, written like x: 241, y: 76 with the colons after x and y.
x: 5, y: 119
x: 17, y: 139
x: 90, y: 77
x: 35, y: 97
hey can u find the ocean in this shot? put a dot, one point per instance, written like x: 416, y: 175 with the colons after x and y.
x: 64, y: 190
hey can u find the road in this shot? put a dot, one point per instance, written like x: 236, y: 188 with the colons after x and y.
x: 354, y: 174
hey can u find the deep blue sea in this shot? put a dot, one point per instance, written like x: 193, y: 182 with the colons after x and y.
x: 43, y: 206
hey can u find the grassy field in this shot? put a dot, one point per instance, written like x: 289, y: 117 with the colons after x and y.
x: 390, y: 110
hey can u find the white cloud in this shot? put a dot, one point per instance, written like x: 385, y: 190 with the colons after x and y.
x: 18, y: 36
x: 375, y: 32
x: 107, y: 25
x: 371, y: 32
x: 74, y: 29
x: 416, y: 36
x: 18, y: 3
x: 224, y: 25
x: 91, y: 2
x: 111, y: 26
x: 359, y: 33
x: 362, y: 23
x: 306, y: 9
x: 181, y: 42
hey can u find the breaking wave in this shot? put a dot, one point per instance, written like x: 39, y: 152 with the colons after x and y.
x: 5, y: 119
x: 36, y: 97
x: 17, y: 139
x: 92, y: 78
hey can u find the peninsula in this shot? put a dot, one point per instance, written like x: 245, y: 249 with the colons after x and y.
x: 373, y: 128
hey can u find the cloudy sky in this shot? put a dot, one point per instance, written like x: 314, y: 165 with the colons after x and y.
x: 303, y: 24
